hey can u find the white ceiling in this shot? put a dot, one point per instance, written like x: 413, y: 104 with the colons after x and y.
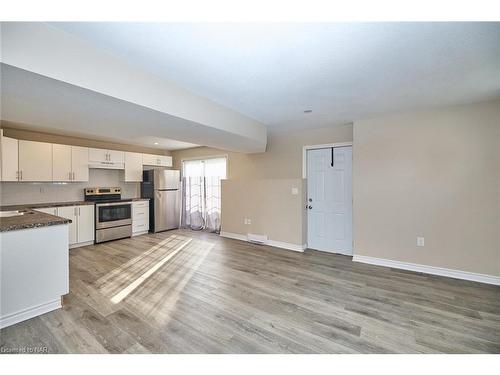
x: 35, y: 102
x: 343, y: 72
x: 55, y: 81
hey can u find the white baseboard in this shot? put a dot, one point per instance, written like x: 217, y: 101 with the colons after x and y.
x: 456, y: 274
x: 234, y: 236
x: 281, y: 245
x: 140, y: 233
x: 29, y: 313
x: 75, y: 245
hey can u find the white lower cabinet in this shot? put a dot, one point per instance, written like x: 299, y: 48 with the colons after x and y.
x: 82, y: 227
x: 140, y: 217
x: 70, y: 212
x: 86, y: 223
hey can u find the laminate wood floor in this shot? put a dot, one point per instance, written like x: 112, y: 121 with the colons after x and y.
x: 190, y: 292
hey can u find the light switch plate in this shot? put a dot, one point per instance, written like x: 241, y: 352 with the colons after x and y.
x: 295, y: 191
x: 420, y: 241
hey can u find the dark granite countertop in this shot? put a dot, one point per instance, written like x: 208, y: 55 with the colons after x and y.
x: 16, y: 207
x: 30, y: 219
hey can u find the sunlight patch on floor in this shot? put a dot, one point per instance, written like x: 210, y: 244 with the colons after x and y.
x: 121, y: 276
x: 126, y: 291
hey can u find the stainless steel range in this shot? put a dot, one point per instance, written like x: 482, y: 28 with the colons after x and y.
x: 113, y: 215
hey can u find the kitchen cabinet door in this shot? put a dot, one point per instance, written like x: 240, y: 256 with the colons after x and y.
x: 70, y: 212
x: 35, y: 161
x: 10, y: 161
x: 133, y: 167
x: 166, y: 161
x: 98, y: 155
x: 150, y: 159
x: 116, y: 156
x: 80, y: 163
x: 86, y: 223
x: 61, y: 162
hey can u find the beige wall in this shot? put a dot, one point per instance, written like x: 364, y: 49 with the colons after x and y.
x: 435, y: 174
x: 259, y: 186
x: 270, y: 205
x: 282, y: 159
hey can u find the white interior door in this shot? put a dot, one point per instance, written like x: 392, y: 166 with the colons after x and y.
x: 329, y: 195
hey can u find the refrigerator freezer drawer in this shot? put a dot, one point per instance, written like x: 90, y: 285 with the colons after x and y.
x: 166, y: 210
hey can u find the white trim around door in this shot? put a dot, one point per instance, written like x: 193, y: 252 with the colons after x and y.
x: 314, y: 147
x: 329, y: 221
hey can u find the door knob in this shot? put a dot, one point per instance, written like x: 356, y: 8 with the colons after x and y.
x: 310, y: 200
x: 310, y: 207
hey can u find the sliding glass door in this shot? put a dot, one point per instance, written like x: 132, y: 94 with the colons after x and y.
x: 201, y: 202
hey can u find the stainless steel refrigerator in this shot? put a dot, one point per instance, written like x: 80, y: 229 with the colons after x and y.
x: 162, y: 187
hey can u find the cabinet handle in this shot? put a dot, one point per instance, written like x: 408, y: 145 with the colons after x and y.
x: 21, y: 174
x: 17, y: 175
x: 78, y: 211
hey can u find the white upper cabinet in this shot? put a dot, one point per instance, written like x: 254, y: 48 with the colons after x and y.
x: 35, y: 161
x: 116, y: 156
x: 133, y: 167
x: 10, y: 164
x: 158, y: 160
x: 102, y: 155
x: 98, y: 155
x: 80, y: 163
x: 70, y: 163
x: 61, y: 163
x: 101, y: 158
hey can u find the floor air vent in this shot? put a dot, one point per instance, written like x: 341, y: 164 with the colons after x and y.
x: 256, y: 238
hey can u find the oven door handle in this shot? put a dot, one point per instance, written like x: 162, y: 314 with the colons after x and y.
x: 113, y: 204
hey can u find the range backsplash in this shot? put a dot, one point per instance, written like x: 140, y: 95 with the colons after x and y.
x: 44, y: 192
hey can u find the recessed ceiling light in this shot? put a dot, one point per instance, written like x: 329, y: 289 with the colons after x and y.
x: 308, y: 111
x: 156, y: 143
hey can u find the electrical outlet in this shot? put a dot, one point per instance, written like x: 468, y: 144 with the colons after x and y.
x: 420, y: 241
x: 247, y: 221
x: 295, y: 191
